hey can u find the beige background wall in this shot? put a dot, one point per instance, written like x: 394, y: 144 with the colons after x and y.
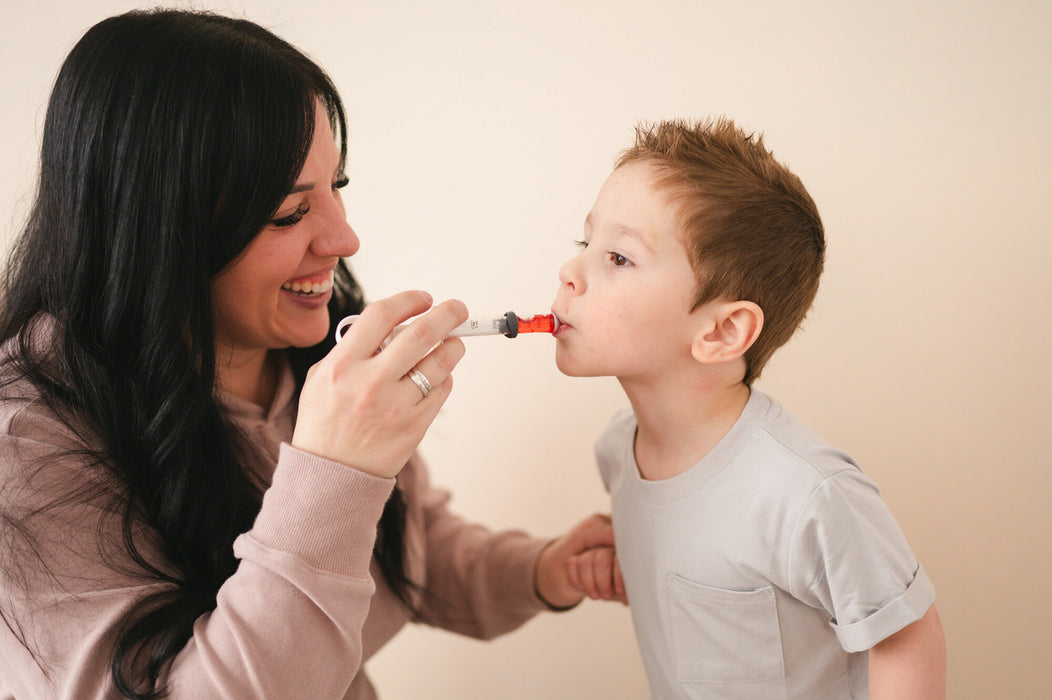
x: 481, y: 132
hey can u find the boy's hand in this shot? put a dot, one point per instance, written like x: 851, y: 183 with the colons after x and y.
x: 596, y: 573
x: 581, y: 562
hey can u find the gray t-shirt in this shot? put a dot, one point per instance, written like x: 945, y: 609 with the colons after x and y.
x: 766, y: 570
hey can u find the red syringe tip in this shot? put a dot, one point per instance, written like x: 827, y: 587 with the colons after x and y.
x: 541, y: 323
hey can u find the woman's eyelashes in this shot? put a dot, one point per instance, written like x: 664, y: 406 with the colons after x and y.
x: 303, y: 209
x: 293, y: 218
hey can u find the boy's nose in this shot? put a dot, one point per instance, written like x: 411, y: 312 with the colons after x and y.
x: 569, y: 278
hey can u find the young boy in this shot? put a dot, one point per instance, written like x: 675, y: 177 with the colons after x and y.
x: 758, y: 561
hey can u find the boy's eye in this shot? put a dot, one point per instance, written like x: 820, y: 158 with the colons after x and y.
x: 582, y: 244
x: 619, y: 260
x: 293, y: 218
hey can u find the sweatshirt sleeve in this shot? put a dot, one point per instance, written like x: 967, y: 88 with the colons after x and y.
x: 287, y: 623
x: 479, y: 583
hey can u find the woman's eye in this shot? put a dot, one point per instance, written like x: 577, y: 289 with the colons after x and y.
x: 293, y: 218
x: 341, y: 181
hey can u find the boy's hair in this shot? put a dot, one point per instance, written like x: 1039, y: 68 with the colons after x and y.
x: 751, y: 230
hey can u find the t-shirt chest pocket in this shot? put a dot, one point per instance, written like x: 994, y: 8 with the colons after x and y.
x: 721, y: 635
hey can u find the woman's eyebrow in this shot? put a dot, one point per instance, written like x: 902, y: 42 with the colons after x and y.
x: 302, y: 187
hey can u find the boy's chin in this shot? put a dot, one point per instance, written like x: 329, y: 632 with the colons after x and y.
x: 571, y: 369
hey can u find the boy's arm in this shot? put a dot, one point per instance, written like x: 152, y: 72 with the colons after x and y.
x: 910, y: 663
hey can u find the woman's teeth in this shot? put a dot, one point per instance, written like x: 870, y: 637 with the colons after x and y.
x: 307, y: 289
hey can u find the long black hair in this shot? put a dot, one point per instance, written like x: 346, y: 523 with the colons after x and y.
x: 170, y: 139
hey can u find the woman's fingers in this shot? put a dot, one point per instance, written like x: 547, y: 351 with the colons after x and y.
x: 420, y: 345
x: 422, y: 353
x: 434, y: 370
x: 419, y: 337
x: 378, y: 320
x: 359, y: 407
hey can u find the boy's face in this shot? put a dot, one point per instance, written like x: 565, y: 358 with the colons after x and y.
x: 624, y: 300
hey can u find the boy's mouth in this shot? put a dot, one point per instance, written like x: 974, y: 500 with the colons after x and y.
x: 560, y: 324
x: 309, y: 286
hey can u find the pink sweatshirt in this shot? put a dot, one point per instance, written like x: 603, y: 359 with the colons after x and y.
x: 307, y: 605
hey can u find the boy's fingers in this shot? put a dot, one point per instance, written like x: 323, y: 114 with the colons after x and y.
x: 597, y: 574
x: 587, y: 575
x: 571, y: 572
x: 604, y: 572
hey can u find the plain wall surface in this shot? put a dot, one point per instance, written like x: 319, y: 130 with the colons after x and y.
x: 480, y: 133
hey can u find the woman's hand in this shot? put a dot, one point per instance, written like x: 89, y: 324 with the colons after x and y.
x: 359, y: 407
x: 581, y: 563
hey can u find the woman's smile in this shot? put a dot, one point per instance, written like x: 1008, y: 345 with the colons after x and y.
x: 310, y: 287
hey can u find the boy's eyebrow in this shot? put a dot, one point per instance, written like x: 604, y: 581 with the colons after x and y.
x: 635, y: 234
x: 626, y: 230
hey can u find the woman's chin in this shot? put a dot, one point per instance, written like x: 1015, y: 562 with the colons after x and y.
x: 307, y: 335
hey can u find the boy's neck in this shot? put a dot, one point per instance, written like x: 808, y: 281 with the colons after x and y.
x: 681, y: 423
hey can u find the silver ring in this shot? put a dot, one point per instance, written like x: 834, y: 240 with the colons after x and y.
x: 418, y: 378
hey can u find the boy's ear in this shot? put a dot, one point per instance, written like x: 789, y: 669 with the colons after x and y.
x: 729, y: 328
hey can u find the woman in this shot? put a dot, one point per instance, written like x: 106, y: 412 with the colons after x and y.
x: 199, y: 494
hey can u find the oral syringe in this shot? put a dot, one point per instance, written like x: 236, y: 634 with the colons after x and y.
x: 509, y: 325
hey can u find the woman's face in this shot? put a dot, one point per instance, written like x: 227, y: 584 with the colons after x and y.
x: 276, y: 294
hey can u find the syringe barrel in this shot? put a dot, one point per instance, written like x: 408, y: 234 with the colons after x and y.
x: 500, y: 325
x: 482, y: 326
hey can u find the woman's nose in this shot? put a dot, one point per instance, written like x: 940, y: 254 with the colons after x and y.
x: 337, y: 238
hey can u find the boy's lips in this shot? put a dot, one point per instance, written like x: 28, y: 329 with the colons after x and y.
x: 561, y: 324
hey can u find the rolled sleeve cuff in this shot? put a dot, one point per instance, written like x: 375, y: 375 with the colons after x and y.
x: 322, y: 512
x: 904, y: 610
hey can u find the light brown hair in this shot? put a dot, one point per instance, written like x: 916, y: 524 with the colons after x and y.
x: 751, y: 230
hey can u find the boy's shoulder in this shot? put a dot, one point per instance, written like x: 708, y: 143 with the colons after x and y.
x: 622, y: 422
x: 765, y: 434
x: 795, y: 441
x: 615, y: 442
x: 766, y: 445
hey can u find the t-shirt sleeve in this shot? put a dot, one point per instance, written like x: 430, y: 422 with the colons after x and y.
x: 849, y: 557
x: 612, y: 443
